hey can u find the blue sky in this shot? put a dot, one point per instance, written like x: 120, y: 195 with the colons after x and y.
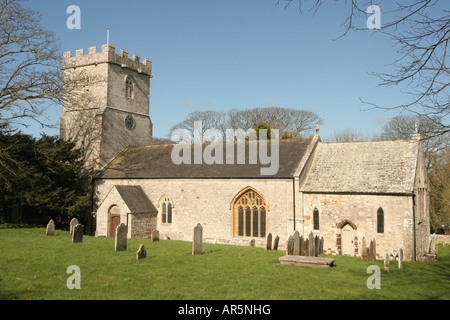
x: 220, y: 55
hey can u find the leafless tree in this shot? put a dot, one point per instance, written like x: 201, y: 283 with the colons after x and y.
x: 29, y: 64
x: 420, y: 30
x: 290, y: 122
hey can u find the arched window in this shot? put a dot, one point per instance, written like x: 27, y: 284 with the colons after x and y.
x: 129, y: 88
x: 166, y: 206
x: 249, y: 218
x: 316, y: 219
x: 380, y: 221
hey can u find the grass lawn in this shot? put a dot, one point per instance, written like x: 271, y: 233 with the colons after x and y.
x: 33, y: 266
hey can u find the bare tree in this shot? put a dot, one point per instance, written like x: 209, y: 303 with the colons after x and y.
x: 29, y: 64
x: 420, y: 30
x: 289, y: 122
x: 349, y: 135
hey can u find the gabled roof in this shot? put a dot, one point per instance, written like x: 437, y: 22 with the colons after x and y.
x: 364, y: 167
x: 136, y: 199
x: 155, y: 162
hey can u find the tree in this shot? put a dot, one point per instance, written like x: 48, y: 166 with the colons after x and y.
x: 29, y: 64
x: 41, y: 176
x: 440, y: 190
x: 291, y: 123
x: 420, y: 29
x: 349, y: 135
x: 404, y: 126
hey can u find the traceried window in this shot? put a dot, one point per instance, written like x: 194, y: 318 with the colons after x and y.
x: 316, y: 219
x: 166, y: 210
x: 249, y: 217
x: 129, y: 88
x: 380, y: 221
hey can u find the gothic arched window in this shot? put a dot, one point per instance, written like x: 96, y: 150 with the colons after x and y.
x: 249, y: 217
x: 380, y: 221
x: 166, y: 209
x: 316, y: 219
x: 129, y: 88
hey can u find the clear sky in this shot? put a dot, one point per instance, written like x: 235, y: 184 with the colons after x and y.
x: 220, y: 55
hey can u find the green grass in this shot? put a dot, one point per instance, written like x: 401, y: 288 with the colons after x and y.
x: 33, y: 266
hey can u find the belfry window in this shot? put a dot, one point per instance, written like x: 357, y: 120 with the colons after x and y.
x: 129, y: 88
x: 249, y: 218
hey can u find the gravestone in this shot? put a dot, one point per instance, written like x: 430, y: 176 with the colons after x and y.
x: 77, y: 236
x: 121, y: 237
x: 386, y: 263
x: 275, y: 243
x: 306, y: 247
x: 73, y: 223
x: 141, y: 253
x: 400, y: 259
x: 321, y: 246
x: 302, y: 246
x: 252, y: 243
x: 197, y: 240
x: 311, y: 244
x: 296, y: 237
x: 50, y: 231
x: 155, y: 236
x: 290, y: 246
x: 363, y: 249
x: 269, y: 242
x: 316, y: 246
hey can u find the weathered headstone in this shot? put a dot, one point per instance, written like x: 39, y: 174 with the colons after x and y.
x: 275, y: 243
x: 72, y: 224
x: 363, y: 249
x: 141, y: 253
x: 77, y: 236
x: 302, y: 246
x: 290, y: 246
x: 269, y: 242
x: 155, y: 236
x: 50, y: 231
x: 321, y: 246
x: 316, y: 245
x: 372, y: 250
x: 197, y: 240
x: 311, y: 245
x: 251, y: 243
x: 296, y: 243
x: 400, y: 258
x: 121, y: 237
x: 386, y: 263
x: 307, y: 247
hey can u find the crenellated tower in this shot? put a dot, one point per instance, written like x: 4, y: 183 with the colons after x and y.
x: 106, y: 103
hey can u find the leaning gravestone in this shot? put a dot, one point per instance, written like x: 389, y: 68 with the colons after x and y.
x: 290, y: 246
x: 50, y: 231
x: 73, y: 223
x: 155, y: 236
x: 77, y: 236
x: 197, y: 240
x: 275, y: 243
x: 141, y: 253
x: 269, y: 242
x: 121, y: 237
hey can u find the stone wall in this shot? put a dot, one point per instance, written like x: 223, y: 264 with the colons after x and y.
x: 205, y: 201
x: 360, y: 211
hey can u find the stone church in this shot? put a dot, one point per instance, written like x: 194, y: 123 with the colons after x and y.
x: 341, y: 191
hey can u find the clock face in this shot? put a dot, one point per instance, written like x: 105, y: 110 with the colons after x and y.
x: 130, y: 123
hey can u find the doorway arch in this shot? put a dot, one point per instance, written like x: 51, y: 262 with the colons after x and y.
x: 114, y: 220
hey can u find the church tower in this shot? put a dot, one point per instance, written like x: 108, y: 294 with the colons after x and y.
x: 106, y: 103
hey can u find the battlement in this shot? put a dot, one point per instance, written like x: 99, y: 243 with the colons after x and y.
x: 106, y: 55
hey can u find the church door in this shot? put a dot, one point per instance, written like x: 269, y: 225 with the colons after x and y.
x: 347, y: 240
x: 114, y: 220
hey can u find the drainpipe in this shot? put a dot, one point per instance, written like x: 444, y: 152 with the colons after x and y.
x: 293, y: 199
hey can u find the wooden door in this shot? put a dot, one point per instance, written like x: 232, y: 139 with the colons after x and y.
x: 114, y: 220
x: 347, y: 240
